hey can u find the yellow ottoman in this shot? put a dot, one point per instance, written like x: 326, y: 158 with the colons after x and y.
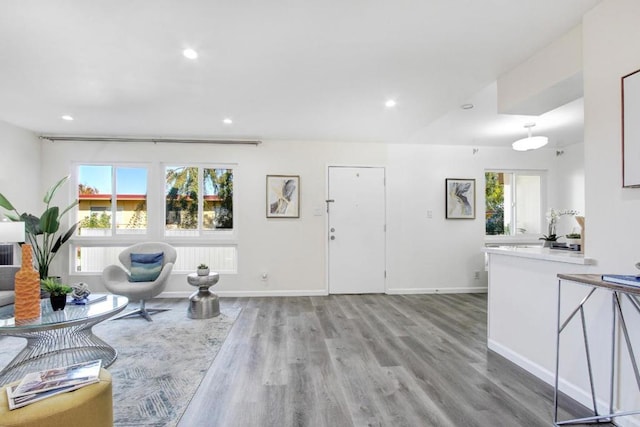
x: 90, y: 406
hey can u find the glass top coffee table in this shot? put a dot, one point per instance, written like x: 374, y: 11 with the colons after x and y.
x: 59, y: 338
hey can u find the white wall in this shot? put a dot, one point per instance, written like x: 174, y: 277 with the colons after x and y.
x: 569, y: 172
x: 566, y: 180
x: 292, y: 251
x: 610, y: 52
x: 423, y: 255
x: 611, y: 32
x: 438, y: 254
x: 20, y: 162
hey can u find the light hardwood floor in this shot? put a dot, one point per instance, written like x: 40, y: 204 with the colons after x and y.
x: 365, y: 360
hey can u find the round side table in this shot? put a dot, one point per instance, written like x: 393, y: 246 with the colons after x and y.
x: 203, y: 304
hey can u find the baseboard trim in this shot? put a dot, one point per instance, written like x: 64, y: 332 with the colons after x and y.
x: 283, y: 293
x: 570, y: 389
x: 322, y: 292
x: 526, y: 364
x: 404, y: 291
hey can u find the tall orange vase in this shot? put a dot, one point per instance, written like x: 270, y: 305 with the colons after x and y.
x: 27, y: 304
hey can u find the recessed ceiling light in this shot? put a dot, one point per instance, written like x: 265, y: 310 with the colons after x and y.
x: 190, y: 53
x: 390, y: 103
x: 227, y: 121
x: 466, y: 106
x: 67, y: 117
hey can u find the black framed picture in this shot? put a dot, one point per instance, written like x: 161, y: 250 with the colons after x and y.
x: 283, y: 196
x: 460, y: 198
x: 631, y: 130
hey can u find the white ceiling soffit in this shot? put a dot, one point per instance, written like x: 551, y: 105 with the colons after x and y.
x: 311, y: 70
x: 484, y: 127
x: 549, y: 78
x: 551, y: 97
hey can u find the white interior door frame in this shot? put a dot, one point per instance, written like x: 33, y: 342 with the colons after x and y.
x: 327, y: 218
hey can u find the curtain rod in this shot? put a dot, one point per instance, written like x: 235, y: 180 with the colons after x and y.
x: 54, y: 138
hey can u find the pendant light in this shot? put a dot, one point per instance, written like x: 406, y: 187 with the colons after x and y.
x: 530, y: 142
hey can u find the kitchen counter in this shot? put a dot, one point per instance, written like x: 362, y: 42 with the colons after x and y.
x: 540, y: 253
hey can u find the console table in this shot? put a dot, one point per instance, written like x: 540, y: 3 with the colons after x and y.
x: 618, y: 293
x: 59, y: 338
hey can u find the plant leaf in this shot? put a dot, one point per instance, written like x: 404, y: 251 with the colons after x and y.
x: 56, y: 246
x: 49, y: 220
x: 68, y: 208
x: 62, y: 239
x: 52, y: 191
x: 31, y: 224
x: 6, y: 204
x: 12, y: 217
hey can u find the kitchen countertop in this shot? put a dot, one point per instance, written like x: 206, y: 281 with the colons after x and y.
x: 538, y: 252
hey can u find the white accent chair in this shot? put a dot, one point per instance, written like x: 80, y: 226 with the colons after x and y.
x: 116, y: 279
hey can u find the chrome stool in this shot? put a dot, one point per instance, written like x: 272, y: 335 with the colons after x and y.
x: 203, y: 304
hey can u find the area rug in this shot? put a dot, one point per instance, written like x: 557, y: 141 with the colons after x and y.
x: 160, y: 364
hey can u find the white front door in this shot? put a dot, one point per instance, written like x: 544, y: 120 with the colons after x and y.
x: 356, y: 219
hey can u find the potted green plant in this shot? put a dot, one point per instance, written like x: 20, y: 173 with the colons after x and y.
x: 203, y: 270
x: 548, y: 239
x: 553, y: 217
x: 57, y: 292
x: 573, y: 238
x: 43, y: 233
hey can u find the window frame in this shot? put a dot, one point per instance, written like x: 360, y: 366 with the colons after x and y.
x: 214, y: 234
x: 113, y: 211
x: 515, y: 237
x: 155, y: 214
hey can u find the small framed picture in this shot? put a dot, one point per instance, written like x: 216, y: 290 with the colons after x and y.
x: 631, y: 130
x: 460, y: 198
x: 283, y: 196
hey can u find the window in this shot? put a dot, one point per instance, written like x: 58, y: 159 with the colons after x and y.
x: 513, y: 202
x: 198, y: 199
x: 98, y: 187
x: 112, y: 213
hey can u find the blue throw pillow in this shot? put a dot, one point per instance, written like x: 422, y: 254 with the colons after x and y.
x: 146, y: 267
x: 147, y: 258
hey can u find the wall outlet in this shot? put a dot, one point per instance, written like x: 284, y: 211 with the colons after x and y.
x: 429, y: 214
x: 476, y: 275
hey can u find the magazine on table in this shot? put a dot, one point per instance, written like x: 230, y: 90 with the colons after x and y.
x: 622, y: 279
x: 16, y: 402
x: 52, y: 379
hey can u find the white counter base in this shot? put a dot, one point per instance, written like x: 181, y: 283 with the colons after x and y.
x: 522, y: 318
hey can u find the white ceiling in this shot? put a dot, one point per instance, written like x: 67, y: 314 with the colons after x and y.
x: 281, y: 69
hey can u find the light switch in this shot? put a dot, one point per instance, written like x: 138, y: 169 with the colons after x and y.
x: 429, y: 214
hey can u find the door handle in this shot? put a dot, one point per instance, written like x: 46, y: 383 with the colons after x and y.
x: 327, y: 202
